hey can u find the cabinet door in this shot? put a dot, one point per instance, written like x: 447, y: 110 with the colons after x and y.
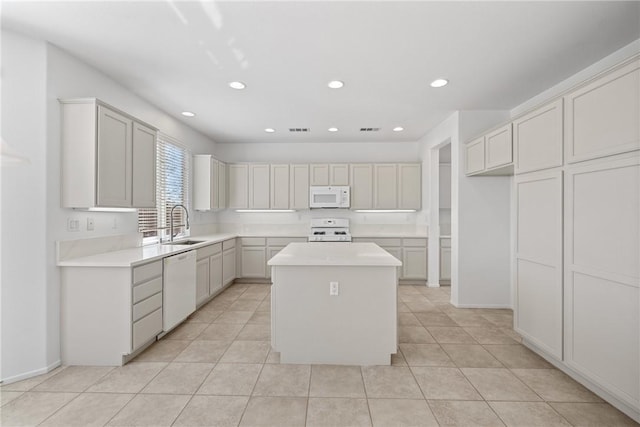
x: 271, y: 252
x: 361, y: 186
x: 238, y: 197
x: 222, y: 185
x: 385, y: 186
x: 445, y: 186
x: 414, y: 263
x: 213, y: 185
x: 339, y: 174
x: 202, y: 280
x: 474, y: 156
x: 499, y: 147
x: 603, y: 117
x: 299, y: 187
x: 537, y: 139
x: 215, y: 273
x: 602, y: 277
x: 258, y: 186
x: 538, y: 269
x: 445, y: 263
x: 114, y: 159
x: 228, y: 266
x: 253, y: 259
x: 409, y: 186
x: 279, y: 187
x: 318, y: 174
x: 144, y: 166
x: 202, y: 182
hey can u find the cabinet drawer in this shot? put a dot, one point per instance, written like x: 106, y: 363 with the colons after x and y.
x: 253, y: 241
x: 147, y: 271
x: 445, y: 243
x: 146, y: 306
x: 208, y: 251
x: 147, y: 289
x: 228, y: 244
x: 414, y: 243
x: 284, y: 241
x: 147, y: 328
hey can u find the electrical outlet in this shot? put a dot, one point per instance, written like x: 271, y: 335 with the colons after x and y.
x: 90, y: 225
x: 73, y: 224
x: 334, y: 288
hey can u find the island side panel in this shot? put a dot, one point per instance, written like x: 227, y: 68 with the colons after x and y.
x: 357, y: 327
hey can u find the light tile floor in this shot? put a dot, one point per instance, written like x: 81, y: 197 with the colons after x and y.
x: 455, y: 367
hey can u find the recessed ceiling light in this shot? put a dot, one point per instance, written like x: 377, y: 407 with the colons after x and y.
x: 333, y: 129
x: 188, y: 114
x: 439, y: 82
x: 237, y: 85
x: 335, y: 84
x: 398, y: 129
x: 270, y: 130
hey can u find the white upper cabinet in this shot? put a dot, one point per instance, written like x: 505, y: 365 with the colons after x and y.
x: 339, y: 174
x: 537, y: 138
x: 445, y: 186
x: 299, y: 186
x: 475, y: 156
x: 144, y: 166
x: 259, y: 186
x: 114, y: 159
x: 385, y: 186
x: 603, y: 117
x: 208, y: 190
x: 279, y: 187
x: 238, y: 197
x: 361, y: 185
x: 318, y: 174
x: 499, y: 147
x: 409, y: 186
x: 222, y: 185
x: 108, y: 157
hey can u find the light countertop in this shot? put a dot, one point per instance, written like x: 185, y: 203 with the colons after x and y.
x: 332, y: 254
x: 143, y: 254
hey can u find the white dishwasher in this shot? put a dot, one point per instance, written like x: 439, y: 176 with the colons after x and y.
x: 179, y: 296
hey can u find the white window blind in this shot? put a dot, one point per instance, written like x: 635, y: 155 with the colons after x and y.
x: 172, y: 188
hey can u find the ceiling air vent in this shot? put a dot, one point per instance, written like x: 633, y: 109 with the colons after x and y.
x: 299, y: 129
x: 369, y: 129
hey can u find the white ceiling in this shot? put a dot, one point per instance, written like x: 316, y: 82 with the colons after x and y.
x: 181, y: 55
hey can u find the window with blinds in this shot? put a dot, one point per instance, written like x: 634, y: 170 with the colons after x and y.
x: 172, y: 188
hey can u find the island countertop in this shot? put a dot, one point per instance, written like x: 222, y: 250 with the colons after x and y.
x: 330, y: 253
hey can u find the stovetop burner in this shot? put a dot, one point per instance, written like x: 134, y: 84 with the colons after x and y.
x: 329, y: 230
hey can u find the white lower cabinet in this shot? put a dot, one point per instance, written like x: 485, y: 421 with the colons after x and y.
x: 602, y: 275
x: 125, y: 316
x: 253, y: 257
x: 538, y: 260
x: 228, y: 261
x: 445, y: 260
x: 208, y: 272
x: 414, y: 259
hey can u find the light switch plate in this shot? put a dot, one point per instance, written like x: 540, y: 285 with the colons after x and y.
x: 90, y: 225
x: 334, y: 288
x: 73, y: 224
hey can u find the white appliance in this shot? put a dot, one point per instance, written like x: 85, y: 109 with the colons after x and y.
x: 329, y: 197
x: 329, y: 230
x: 179, y: 293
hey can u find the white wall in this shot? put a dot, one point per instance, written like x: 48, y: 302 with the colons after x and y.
x: 23, y: 215
x: 38, y: 74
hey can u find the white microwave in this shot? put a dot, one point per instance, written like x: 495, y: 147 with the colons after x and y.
x: 329, y: 197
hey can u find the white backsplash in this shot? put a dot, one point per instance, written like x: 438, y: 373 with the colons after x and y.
x: 69, y: 249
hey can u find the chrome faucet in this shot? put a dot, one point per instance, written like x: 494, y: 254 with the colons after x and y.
x: 171, y: 220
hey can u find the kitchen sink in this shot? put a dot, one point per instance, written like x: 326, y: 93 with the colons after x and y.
x: 184, y: 242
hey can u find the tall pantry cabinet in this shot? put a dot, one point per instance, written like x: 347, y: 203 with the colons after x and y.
x: 577, y: 213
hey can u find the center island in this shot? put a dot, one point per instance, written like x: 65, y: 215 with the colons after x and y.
x: 334, y: 303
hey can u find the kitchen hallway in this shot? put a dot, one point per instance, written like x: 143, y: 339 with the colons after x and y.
x: 455, y: 367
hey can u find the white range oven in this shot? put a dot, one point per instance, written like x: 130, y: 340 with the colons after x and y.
x: 329, y: 230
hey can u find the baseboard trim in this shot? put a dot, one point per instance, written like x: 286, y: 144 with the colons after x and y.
x: 482, y: 306
x: 30, y: 374
x: 632, y: 412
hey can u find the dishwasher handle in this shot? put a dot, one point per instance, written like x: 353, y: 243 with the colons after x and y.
x: 180, y: 257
